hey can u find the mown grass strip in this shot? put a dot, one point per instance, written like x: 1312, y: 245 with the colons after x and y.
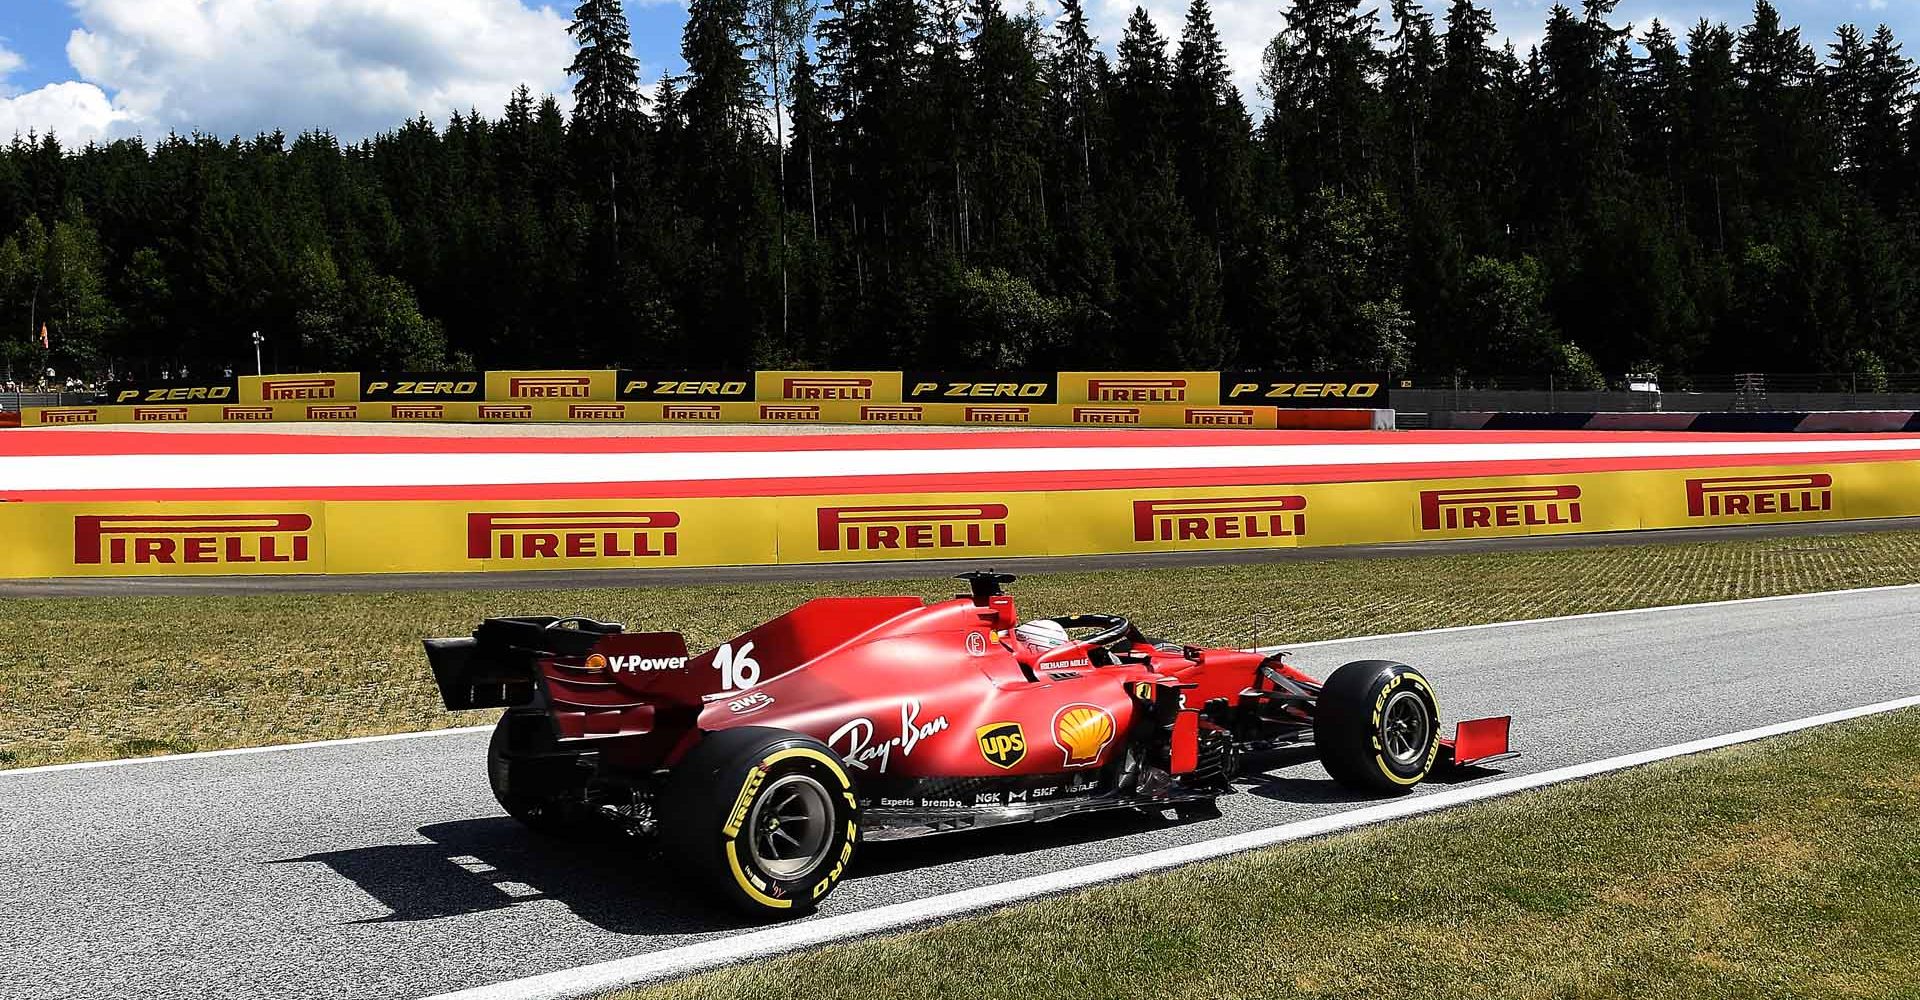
x: 1784, y: 868
x: 91, y: 679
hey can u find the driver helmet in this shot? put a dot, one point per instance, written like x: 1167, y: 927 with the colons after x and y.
x: 1042, y: 633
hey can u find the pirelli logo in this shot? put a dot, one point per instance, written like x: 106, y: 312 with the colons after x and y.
x: 690, y: 411
x: 505, y: 411
x: 549, y: 387
x: 908, y: 414
x: 1499, y: 507
x: 419, y: 411
x: 70, y: 415
x: 290, y: 389
x: 827, y: 387
x: 1124, y: 416
x: 343, y: 411
x: 1137, y: 390
x: 596, y: 411
x: 159, y: 414
x: 245, y: 414
x: 775, y: 411
x: 1219, y: 519
x: 999, y: 415
x: 1750, y: 496
x: 913, y: 527
x: 625, y: 534
x: 1222, y: 416
x: 191, y: 539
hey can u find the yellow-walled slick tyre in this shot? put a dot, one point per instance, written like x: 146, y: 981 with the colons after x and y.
x: 1377, y: 726
x: 765, y: 818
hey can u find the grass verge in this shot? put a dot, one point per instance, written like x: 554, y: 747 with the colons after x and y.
x: 90, y: 679
x: 1781, y: 869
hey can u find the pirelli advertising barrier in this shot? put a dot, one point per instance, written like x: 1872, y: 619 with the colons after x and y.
x: 1338, y: 400
x: 268, y: 536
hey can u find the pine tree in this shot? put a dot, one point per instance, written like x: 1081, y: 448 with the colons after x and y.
x: 1326, y: 115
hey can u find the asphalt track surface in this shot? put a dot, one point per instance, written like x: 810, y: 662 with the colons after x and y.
x: 384, y: 869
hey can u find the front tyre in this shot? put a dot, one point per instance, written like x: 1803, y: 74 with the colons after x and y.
x: 1377, y: 726
x: 764, y: 817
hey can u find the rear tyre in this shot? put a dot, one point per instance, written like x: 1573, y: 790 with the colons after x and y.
x: 1377, y: 726
x: 764, y: 817
x: 530, y: 794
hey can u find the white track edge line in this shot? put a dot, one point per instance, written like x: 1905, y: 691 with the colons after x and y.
x: 456, y: 731
x: 688, y: 959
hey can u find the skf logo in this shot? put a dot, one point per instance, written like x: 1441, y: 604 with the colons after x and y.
x: 922, y: 526
x: 581, y: 535
x: 999, y: 414
x: 685, y: 411
x: 176, y: 394
x: 299, y: 388
x: 346, y: 411
x: 70, y: 415
x: 159, y: 414
x: 190, y: 539
x: 891, y: 414
x: 1221, y: 416
x: 826, y: 388
x: 596, y: 411
x: 1219, y: 518
x: 418, y: 411
x: 1082, y: 732
x: 1304, y: 390
x: 1106, y: 415
x: 776, y: 412
x: 1746, y: 496
x: 505, y: 411
x: 246, y: 413
x: 549, y: 387
x: 1003, y: 744
x: 1137, y: 390
x: 1499, y: 507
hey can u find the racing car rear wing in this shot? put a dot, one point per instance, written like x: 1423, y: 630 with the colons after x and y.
x: 496, y: 666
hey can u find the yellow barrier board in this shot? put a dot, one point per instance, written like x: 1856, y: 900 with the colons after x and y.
x: 552, y: 384
x: 325, y: 387
x: 1185, y: 388
x: 810, y: 387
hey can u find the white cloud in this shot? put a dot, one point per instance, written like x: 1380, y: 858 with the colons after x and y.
x: 78, y: 113
x: 354, y: 67
x: 10, y: 61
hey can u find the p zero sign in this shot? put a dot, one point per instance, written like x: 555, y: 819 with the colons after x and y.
x: 423, y: 387
x: 686, y: 387
x: 980, y: 387
x: 185, y: 391
x: 1341, y: 390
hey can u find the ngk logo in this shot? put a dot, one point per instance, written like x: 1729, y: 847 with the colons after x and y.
x: 298, y: 388
x: 625, y: 534
x: 1499, y: 507
x: 1137, y: 390
x: 246, y: 413
x: 70, y: 415
x: 1105, y: 415
x: 913, y: 526
x: 683, y: 411
x: 776, y: 412
x: 891, y: 414
x: 190, y: 539
x: 159, y: 414
x: 1219, y: 518
x: 999, y: 414
x: 549, y: 387
x: 596, y: 411
x: 344, y: 412
x: 505, y: 411
x: 827, y: 388
x: 419, y: 411
x: 1735, y: 496
x: 1221, y: 416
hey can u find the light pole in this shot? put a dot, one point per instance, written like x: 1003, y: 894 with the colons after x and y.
x: 257, y: 341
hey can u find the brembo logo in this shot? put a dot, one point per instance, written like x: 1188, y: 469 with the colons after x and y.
x: 69, y: 415
x: 999, y: 414
x: 549, y: 387
x: 573, y: 535
x: 892, y: 414
x: 1735, y: 496
x: 299, y: 388
x: 827, y: 388
x: 776, y: 412
x: 1137, y: 390
x: 1219, y: 518
x: 159, y: 414
x: 596, y: 411
x: 505, y: 411
x: 190, y: 539
x: 1499, y: 507
x: 1221, y: 416
x: 913, y: 526
x: 346, y: 411
x: 418, y: 411
x: 1106, y: 415
x: 686, y: 411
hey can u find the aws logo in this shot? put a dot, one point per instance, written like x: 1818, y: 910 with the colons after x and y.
x: 1003, y: 744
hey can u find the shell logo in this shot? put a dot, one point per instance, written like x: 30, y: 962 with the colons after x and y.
x: 1082, y: 731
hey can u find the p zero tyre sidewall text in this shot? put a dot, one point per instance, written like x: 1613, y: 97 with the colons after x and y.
x: 1349, y: 719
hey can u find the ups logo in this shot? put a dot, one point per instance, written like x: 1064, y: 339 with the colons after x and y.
x: 1003, y: 744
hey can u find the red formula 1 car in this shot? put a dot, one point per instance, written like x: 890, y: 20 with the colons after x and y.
x: 761, y: 764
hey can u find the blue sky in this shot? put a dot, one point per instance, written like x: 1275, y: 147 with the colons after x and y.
x: 93, y: 68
